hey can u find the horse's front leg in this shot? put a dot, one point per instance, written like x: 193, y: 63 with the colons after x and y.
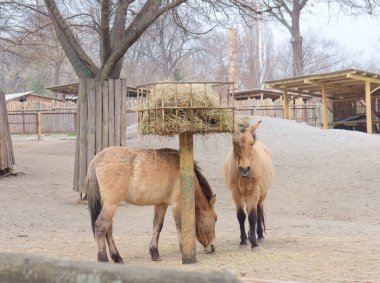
x: 251, y: 205
x: 158, y: 222
x: 239, y: 201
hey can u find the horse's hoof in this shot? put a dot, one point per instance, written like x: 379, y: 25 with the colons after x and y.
x: 154, y: 254
x: 243, y: 242
x: 254, y: 247
x: 261, y: 240
x: 102, y: 258
x: 117, y: 259
x: 156, y: 258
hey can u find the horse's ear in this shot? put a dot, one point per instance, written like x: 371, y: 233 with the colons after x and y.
x: 213, y: 199
x: 254, y: 127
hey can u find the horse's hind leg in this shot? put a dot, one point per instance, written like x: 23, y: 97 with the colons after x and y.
x: 112, y: 247
x: 158, y: 222
x: 260, y: 222
x: 102, y: 225
x: 260, y: 218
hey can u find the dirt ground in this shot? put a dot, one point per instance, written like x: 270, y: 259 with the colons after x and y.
x: 322, y: 212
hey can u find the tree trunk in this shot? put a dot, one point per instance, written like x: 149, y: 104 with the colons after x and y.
x: 6, y: 149
x: 101, y: 122
x: 297, y: 55
x: 297, y: 43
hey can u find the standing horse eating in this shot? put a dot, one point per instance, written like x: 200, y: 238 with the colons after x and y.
x: 144, y: 177
x: 248, y: 173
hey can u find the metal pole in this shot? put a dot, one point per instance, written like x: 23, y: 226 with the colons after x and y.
x: 187, y: 198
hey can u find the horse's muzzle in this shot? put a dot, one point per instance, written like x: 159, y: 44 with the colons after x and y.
x: 210, y: 249
x: 245, y: 172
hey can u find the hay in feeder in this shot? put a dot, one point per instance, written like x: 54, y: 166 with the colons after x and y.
x: 177, y: 108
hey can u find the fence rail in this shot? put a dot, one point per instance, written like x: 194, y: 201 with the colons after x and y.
x: 59, y: 121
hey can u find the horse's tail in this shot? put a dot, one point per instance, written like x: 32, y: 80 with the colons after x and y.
x: 93, y: 196
x: 205, y: 186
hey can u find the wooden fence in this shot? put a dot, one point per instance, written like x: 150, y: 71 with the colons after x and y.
x: 57, y: 121
x: 26, y: 122
x: 63, y: 120
x: 299, y: 110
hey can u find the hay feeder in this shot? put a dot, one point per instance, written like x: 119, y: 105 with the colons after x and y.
x: 171, y: 108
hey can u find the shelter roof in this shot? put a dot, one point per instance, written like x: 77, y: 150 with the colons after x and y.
x: 264, y: 93
x: 17, y: 96
x: 347, y: 83
x: 72, y: 88
x: 13, y: 96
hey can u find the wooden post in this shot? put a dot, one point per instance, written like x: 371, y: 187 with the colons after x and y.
x: 324, y: 108
x: 39, y: 129
x: 91, y: 120
x: 368, y: 106
x: 286, y: 105
x: 82, y: 154
x: 6, y: 149
x: 187, y: 198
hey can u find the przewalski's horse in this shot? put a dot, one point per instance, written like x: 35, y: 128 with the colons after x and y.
x: 144, y: 177
x: 248, y: 173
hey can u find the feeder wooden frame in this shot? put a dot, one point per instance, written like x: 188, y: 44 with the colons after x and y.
x: 224, y: 93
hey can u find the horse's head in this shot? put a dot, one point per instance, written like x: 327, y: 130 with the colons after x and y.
x: 242, y: 147
x: 205, y: 224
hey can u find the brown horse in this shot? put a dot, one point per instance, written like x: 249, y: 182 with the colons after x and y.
x: 144, y: 177
x: 248, y: 173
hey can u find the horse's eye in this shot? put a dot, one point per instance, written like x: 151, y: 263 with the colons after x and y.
x: 216, y: 218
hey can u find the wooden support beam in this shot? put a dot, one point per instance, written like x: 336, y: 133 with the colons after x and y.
x: 324, y: 108
x: 368, y: 106
x: 362, y: 78
x: 310, y: 93
x: 375, y: 89
x: 187, y: 197
x: 286, y: 105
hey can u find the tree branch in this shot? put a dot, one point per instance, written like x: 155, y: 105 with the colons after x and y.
x: 82, y: 63
x: 144, y: 18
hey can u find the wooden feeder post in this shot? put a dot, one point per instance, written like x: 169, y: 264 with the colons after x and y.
x: 187, y: 197
x: 185, y: 111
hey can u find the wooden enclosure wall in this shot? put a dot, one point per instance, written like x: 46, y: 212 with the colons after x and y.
x: 101, y: 122
x: 6, y: 148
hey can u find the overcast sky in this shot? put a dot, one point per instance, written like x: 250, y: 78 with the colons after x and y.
x: 356, y: 34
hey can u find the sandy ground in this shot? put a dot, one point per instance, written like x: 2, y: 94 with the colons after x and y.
x: 322, y: 212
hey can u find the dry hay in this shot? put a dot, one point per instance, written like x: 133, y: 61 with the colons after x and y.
x: 177, y: 108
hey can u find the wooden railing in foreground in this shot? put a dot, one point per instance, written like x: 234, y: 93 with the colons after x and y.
x: 29, y: 268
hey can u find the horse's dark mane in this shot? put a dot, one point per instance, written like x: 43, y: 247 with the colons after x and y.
x: 205, y: 186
